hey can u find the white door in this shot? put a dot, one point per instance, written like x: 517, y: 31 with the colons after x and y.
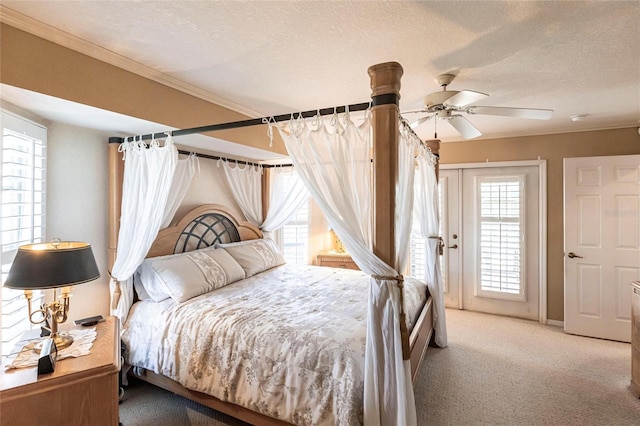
x: 452, y: 240
x: 501, y: 251
x: 601, y: 244
x: 482, y: 269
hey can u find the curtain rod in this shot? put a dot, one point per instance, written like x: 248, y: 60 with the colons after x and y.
x: 249, y: 163
x: 245, y: 163
x: 375, y: 100
x: 410, y: 129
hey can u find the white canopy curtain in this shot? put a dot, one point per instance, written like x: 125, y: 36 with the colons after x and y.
x: 246, y: 187
x: 182, y: 177
x: 148, y: 175
x: 288, y: 193
x: 333, y: 159
x: 427, y: 224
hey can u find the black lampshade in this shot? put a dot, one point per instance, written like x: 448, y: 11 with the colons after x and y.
x: 50, y: 265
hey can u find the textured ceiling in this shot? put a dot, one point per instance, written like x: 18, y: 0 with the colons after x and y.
x: 272, y: 57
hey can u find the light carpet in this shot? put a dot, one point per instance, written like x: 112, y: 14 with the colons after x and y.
x: 495, y: 371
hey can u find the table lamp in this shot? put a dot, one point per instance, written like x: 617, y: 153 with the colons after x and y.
x: 337, y: 243
x: 52, y: 265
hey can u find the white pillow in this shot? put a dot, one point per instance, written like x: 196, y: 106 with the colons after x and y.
x: 238, y: 243
x: 186, y: 275
x: 255, y: 255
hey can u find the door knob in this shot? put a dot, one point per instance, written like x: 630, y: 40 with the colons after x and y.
x: 572, y: 255
x: 455, y: 246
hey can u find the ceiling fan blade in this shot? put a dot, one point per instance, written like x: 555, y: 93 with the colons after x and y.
x: 536, y: 114
x: 464, y: 98
x: 464, y: 127
x: 414, y: 124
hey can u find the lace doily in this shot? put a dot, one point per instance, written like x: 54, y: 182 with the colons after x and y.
x: 82, y: 342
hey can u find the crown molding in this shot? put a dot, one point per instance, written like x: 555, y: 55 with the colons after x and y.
x: 54, y: 35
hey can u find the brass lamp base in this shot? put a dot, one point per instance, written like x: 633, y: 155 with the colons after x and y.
x: 61, y: 340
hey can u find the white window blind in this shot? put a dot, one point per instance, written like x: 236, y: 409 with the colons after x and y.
x: 22, y: 221
x: 417, y: 255
x: 294, y: 237
x: 501, y: 219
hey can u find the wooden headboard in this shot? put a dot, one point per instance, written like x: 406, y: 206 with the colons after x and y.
x: 202, y: 227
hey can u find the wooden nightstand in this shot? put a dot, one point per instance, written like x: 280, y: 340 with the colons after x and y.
x: 336, y: 260
x: 81, y: 391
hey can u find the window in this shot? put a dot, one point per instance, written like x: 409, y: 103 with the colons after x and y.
x: 294, y: 237
x: 501, y: 236
x: 22, y: 221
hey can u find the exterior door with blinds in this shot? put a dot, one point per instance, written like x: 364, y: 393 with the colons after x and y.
x: 501, y: 250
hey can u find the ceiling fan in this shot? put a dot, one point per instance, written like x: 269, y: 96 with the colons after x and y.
x: 448, y: 104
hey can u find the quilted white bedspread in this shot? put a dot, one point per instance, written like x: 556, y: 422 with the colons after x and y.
x: 288, y: 343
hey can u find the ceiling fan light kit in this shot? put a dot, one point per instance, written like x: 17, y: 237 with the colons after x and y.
x: 442, y: 104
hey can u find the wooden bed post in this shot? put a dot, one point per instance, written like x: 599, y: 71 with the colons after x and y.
x: 385, y: 81
x: 434, y: 146
x: 116, y: 178
x: 266, y: 191
x: 385, y: 95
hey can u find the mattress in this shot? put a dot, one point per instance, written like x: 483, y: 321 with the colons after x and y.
x: 288, y: 342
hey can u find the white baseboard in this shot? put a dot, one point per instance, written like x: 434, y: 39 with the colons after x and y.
x: 555, y: 323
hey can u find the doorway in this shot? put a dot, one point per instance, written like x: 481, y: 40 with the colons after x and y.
x: 602, y: 244
x: 493, y: 219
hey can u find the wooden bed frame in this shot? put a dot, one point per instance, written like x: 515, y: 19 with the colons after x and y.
x: 166, y: 240
x: 385, y: 81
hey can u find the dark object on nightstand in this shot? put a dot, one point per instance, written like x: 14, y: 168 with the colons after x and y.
x: 48, y: 356
x: 86, y: 322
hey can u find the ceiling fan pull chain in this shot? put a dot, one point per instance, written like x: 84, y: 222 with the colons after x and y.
x: 435, y: 127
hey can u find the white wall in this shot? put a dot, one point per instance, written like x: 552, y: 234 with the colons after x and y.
x: 209, y: 186
x: 77, y: 205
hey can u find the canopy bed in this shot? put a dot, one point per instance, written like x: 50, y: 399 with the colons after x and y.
x: 380, y: 346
